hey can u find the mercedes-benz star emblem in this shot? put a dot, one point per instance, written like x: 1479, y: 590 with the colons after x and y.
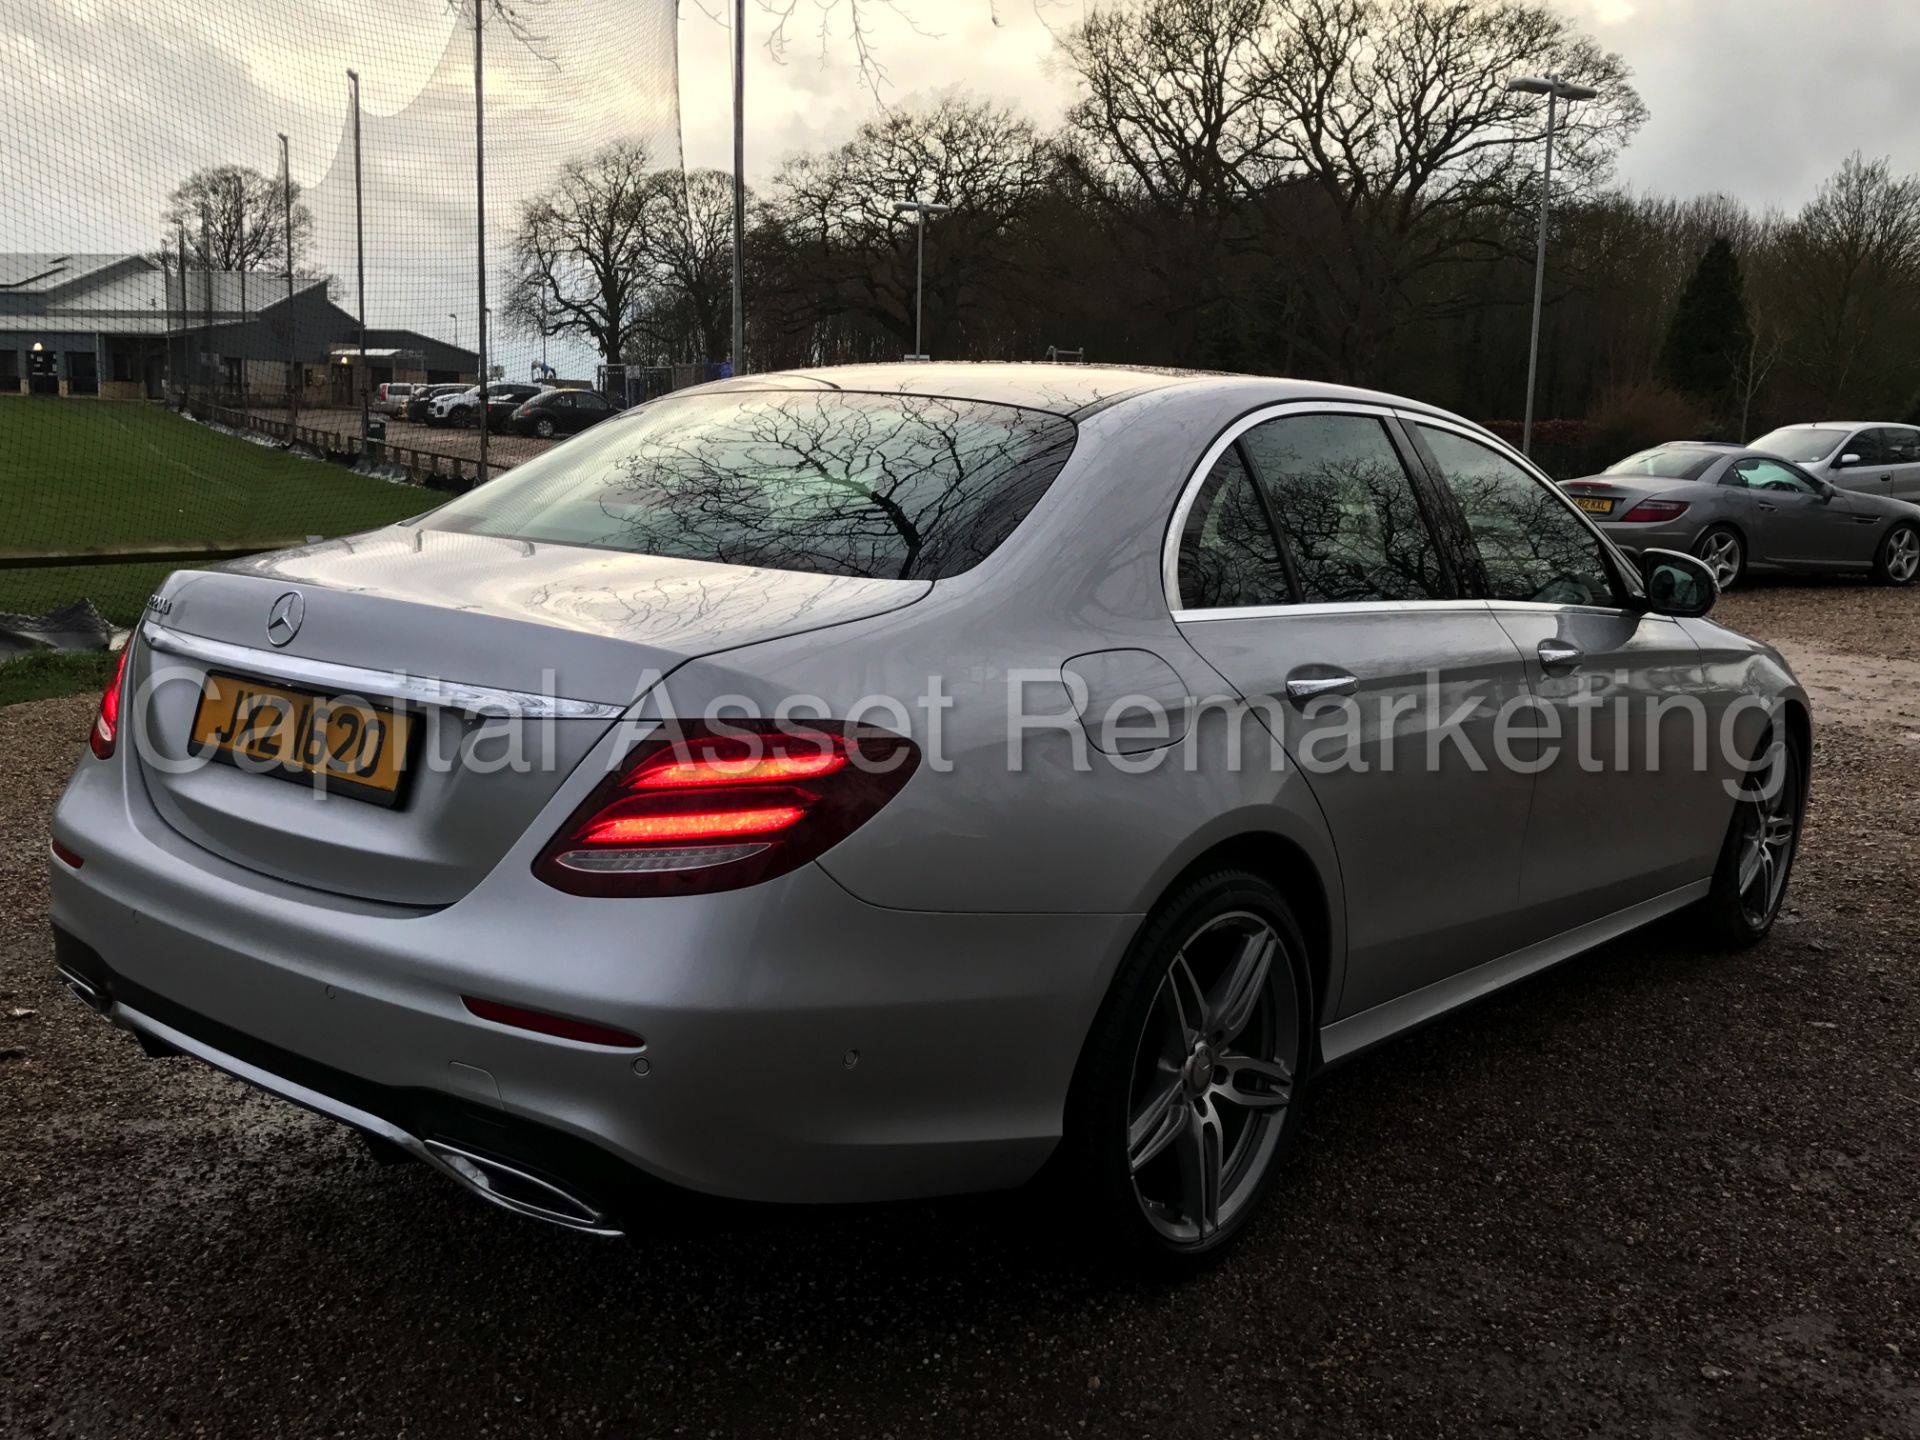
x: 283, y: 620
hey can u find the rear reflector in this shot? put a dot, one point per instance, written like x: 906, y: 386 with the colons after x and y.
x: 64, y: 854
x: 1655, y: 510
x: 699, y: 808
x: 106, y: 724
x: 538, y: 1020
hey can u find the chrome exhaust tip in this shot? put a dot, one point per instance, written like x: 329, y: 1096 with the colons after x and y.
x: 514, y: 1189
x: 84, y: 990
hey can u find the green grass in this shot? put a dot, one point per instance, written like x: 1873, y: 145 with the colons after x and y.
x: 103, y: 472
x: 84, y: 473
x: 42, y: 675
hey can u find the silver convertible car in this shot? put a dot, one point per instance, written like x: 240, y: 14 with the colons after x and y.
x: 1745, y: 510
x: 901, y: 780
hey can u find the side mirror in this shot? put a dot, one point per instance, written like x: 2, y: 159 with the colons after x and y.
x: 1677, y: 584
x: 1848, y: 459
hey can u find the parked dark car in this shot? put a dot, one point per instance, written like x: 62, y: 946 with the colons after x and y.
x: 503, y: 399
x: 561, y: 412
x: 416, y: 412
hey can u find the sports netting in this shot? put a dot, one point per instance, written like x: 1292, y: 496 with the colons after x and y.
x: 178, y: 381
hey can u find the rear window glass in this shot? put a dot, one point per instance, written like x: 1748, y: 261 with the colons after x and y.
x: 1667, y: 464
x: 903, y: 487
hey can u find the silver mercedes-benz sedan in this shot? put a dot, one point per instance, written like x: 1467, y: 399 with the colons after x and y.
x: 901, y: 780
x: 1745, y: 511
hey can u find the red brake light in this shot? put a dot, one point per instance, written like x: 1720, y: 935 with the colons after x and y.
x: 106, y: 724
x: 698, y: 808
x: 1655, y: 510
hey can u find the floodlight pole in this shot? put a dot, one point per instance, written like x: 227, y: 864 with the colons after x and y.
x: 206, y: 289
x: 293, y: 343
x: 739, y: 185
x: 360, y: 247
x: 1555, y: 89
x: 240, y: 247
x: 920, y: 209
x: 480, y: 226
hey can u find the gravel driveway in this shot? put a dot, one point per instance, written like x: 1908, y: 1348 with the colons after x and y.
x: 1653, y: 1192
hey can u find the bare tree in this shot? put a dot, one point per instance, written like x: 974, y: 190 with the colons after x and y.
x: 246, y: 219
x: 582, y: 258
x: 691, y: 240
x: 1850, y: 263
x: 1372, y: 143
x: 831, y: 230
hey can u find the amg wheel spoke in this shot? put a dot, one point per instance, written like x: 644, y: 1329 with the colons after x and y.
x: 1751, y: 858
x: 1243, y: 986
x: 1254, y: 1084
x: 1198, y: 1149
x: 1157, y: 1123
x: 1189, y: 1001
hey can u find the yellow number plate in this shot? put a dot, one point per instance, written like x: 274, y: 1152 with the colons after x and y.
x: 1593, y: 505
x: 355, y: 748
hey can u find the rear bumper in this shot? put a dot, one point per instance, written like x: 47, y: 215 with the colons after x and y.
x: 800, y: 1044
x: 520, y: 1166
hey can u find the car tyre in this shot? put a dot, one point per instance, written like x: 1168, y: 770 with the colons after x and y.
x: 1725, y: 554
x: 543, y: 427
x: 1756, y: 858
x: 1897, y: 561
x: 1188, y: 1092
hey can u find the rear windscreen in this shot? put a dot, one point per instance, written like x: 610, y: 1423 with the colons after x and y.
x: 906, y: 487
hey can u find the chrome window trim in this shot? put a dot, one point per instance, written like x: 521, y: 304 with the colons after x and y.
x: 1323, y: 608
x: 374, y: 684
x: 1170, y: 545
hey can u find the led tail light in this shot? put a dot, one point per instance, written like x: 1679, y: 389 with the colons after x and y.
x: 702, y: 808
x: 1655, y: 510
x: 106, y: 724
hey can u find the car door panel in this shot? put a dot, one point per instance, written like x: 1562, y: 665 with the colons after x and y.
x: 1796, y: 524
x: 1381, y: 686
x: 1623, y: 800
x: 1902, y: 446
x: 1614, y: 694
x: 1427, y: 822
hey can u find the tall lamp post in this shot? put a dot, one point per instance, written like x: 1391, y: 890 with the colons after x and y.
x: 1556, y: 90
x: 739, y: 186
x: 920, y: 209
x: 360, y: 251
x: 293, y: 344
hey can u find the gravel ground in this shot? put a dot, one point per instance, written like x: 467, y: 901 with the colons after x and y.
x: 1653, y: 1192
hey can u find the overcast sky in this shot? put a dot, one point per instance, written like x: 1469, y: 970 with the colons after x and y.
x: 106, y: 104
x: 1759, y: 98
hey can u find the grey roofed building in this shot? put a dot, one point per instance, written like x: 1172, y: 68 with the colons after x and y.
x: 123, y: 327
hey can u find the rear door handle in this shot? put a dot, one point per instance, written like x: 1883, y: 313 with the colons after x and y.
x: 1767, y: 507
x: 1312, y: 687
x: 1558, y: 655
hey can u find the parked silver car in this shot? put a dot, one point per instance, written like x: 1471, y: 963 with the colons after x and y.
x: 1742, y: 510
x: 894, y: 780
x: 1871, y: 457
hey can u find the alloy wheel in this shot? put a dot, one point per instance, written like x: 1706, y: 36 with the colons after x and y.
x: 1769, y: 818
x: 1721, y: 552
x: 1903, y: 555
x: 1214, y: 1071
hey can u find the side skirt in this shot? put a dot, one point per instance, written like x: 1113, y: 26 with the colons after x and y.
x: 1344, y: 1039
